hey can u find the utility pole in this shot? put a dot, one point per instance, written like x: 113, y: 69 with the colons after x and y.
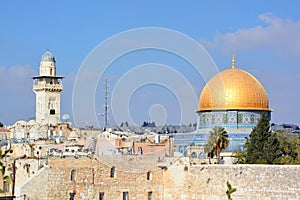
x: 106, y: 104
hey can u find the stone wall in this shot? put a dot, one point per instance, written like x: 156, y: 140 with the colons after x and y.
x: 170, y: 179
x: 93, y: 177
x: 257, y: 182
x: 36, y: 187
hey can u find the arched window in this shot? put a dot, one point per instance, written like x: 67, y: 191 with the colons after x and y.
x: 150, y: 195
x: 73, y: 175
x: 202, y: 155
x: 5, y: 187
x: 149, y: 175
x: 194, y: 155
x: 125, y: 195
x: 101, y: 196
x: 72, y: 195
x: 113, y: 172
x: 52, y: 111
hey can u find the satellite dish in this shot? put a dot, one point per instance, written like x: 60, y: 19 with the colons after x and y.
x: 66, y: 117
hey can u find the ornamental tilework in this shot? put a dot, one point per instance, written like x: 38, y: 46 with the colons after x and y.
x: 232, y: 117
x: 238, y: 119
x: 225, y: 118
x: 246, y: 118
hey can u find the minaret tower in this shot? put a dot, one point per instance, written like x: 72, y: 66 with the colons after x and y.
x: 47, y: 87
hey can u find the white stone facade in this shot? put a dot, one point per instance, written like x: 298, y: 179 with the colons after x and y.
x: 47, y: 87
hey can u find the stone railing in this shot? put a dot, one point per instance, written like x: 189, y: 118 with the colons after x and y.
x: 48, y: 86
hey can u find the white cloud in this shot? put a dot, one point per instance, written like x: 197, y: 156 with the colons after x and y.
x: 276, y: 34
x: 16, y: 79
x: 282, y: 90
x: 280, y: 76
x: 16, y: 91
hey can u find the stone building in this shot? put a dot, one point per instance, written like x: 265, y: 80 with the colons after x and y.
x: 111, y: 143
x: 47, y: 87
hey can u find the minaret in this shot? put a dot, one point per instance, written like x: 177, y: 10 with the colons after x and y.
x: 47, y: 87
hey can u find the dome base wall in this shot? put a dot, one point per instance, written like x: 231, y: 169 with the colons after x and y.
x: 229, y: 118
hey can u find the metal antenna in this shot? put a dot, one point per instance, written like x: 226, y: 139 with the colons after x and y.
x: 106, y: 104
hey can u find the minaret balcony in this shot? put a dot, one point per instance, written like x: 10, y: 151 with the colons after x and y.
x: 51, y: 87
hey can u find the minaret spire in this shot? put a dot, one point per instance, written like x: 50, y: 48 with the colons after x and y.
x: 232, y: 61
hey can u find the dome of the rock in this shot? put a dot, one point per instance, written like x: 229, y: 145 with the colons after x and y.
x: 233, y: 99
x: 233, y: 89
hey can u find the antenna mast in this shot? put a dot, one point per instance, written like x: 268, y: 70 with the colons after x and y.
x: 106, y: 104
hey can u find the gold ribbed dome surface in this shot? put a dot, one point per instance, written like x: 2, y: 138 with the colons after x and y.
x: 233, y: 89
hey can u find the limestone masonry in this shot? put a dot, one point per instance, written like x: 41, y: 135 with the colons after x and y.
x: 141, y: 176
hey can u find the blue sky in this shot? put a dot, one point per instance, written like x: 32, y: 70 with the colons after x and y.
x: 264, y: 37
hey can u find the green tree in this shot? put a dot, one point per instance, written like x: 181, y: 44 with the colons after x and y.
x: 263, y: 146
x: 229, y: 191
x: 1, y: 124
x: 210, y: 146
x: 2, y: 167
x: 217, y: 141
x: 240, y: 157
x: 289, y: 147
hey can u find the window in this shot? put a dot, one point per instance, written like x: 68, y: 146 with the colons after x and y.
x: 72, y: 196
x: 149, y: 195
x: 5, y: 187
x: 149, y: 175
x: 52, y: 111
x: 112, y: 172
x: 194, y: 155
x: 73, y: 174
x: 101, y: 196
x: 141, y: 150
x: 125, y: 196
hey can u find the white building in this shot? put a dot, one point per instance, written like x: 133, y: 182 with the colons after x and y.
x: 47, y: 87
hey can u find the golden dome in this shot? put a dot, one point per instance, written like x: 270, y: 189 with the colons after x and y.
x: 233, y: 89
